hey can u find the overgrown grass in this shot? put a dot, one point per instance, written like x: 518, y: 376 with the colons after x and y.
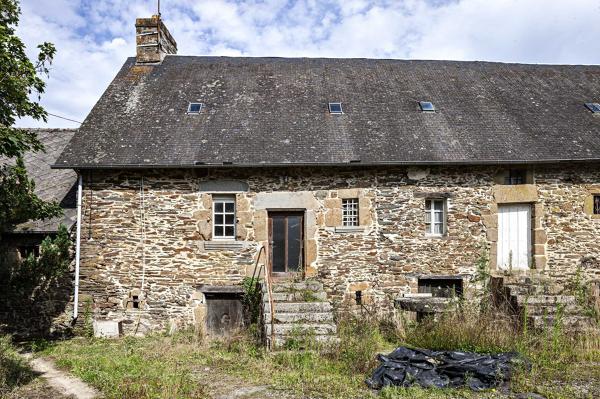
x: 161, y: 366
x: 14, y: 371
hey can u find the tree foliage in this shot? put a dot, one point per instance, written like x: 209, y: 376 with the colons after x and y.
x: 18, y: 203
x: 21, y: 86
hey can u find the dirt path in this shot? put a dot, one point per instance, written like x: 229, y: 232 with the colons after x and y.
x: 61, y: 381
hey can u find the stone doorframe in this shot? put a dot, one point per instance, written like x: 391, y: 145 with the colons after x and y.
x: 517, y: 194
x: 286, y: 201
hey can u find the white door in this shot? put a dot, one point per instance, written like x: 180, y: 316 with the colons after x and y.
x: 514, y: 237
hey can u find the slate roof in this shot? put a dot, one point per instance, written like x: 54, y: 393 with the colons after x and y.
x: 51, y: 184
x: 273, y: 111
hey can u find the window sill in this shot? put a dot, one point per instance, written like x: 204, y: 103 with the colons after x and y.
x: 437, y: 236
x: 349, y: 229
x: 223, y: 245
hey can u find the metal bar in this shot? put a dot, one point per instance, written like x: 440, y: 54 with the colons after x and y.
x: 77, y: 248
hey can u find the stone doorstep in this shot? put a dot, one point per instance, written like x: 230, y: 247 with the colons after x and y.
x: 315, y: 328
x: 295, y: 297
x: 316, y: 317
x: 298, y: 307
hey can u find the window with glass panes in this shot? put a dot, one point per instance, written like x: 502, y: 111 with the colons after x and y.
x: 224, y: 216
x: 350, y: 212
x: 434, y: 216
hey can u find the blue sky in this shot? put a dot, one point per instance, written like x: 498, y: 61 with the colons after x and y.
x: 93, y: 37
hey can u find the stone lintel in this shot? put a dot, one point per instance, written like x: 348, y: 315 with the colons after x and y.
x: 521, y: 193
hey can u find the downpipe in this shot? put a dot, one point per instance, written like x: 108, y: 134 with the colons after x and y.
x: 77, y: 249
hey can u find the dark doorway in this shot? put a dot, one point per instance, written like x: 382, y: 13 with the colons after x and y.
x: 286, y: 243
x: 224, y: 313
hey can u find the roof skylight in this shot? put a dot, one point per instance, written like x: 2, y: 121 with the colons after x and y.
x: 426, y: 106
x: 335, y: 108
x: 195, y: 108
x: 594, y: 107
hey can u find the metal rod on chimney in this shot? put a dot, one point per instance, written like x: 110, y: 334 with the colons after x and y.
x: 159, y: 8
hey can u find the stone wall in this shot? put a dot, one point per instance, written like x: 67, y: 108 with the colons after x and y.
x: 382, y: 258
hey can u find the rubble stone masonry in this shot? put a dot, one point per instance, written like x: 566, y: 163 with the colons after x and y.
x: 156, y: 244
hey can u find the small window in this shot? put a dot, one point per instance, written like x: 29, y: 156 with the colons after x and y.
x: 195, y: 108
x: 426, y: 106
x: 224, y: 217
x: 596, y: 204
x: 515, y: 176
x: 435, y: 217
x: 594, y: 107
x: 442, y: 287
x: 335, y: 108
x: 350, y: 212
x: 26, y: 250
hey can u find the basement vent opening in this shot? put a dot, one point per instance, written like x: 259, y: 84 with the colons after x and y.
x: 442, y: 287
x: 335, y: 108
x: 426, y: 106
x: 358, y: 297
x: 135, y: 302
x: 195, y: 108
x: 594, y: 107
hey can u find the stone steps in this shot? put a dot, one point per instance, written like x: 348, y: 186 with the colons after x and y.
x: 319, y: 317
x: 571, y: 322
x: 312, y: 328
x: 298, y: 296
x: 543, y: 301
x: 298, y: 307
x: 301, y: 314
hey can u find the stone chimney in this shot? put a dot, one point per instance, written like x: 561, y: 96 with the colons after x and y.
x: 153, y: 40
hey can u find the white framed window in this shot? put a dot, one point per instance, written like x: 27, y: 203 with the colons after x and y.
x: 350, y: 212
x: 435, y: 217
x: 224, y: 217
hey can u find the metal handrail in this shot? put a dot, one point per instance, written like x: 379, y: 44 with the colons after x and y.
x: 269, y: 291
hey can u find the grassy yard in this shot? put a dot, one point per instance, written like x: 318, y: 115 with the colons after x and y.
x: 182, y: 366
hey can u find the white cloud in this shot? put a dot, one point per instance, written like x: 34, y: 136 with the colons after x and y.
x: 93, y: 38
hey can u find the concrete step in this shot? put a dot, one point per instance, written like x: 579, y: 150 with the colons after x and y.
x: 286, y: 286
x: 316, y: 317
x: 298, y: 296
x: 312, y: 328
x: 298, y: 307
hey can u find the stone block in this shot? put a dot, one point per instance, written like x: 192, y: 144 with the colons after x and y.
x: 311, y: 251
x: 540, y: 236
x: 540, y: 262
x: 490, y: 221
x: 539, y: 249
x: 492, y: 235
x: 333, y: 203
x: 364, y: 212
x: 108, y: 328
x: 347, y: 193
x: 260, y: 226
x: 286, y: 200
x: 358, y: 286
x: 521, y: 193
x: 333, y: 217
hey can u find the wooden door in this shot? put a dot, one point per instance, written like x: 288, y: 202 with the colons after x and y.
x: 286, y: 243
x: 514, y: 237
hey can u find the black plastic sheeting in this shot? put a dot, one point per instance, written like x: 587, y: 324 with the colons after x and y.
x: 444, y: 369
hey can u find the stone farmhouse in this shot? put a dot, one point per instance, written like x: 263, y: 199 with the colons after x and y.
x: 366, y: 181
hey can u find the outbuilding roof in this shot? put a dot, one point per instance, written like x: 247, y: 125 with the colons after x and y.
x: 275, y: 111
x: 50, y: 185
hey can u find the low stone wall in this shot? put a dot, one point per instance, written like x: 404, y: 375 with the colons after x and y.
x: 383, y: 258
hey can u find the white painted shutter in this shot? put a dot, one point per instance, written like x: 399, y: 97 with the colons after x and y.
x: 514, y: 237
